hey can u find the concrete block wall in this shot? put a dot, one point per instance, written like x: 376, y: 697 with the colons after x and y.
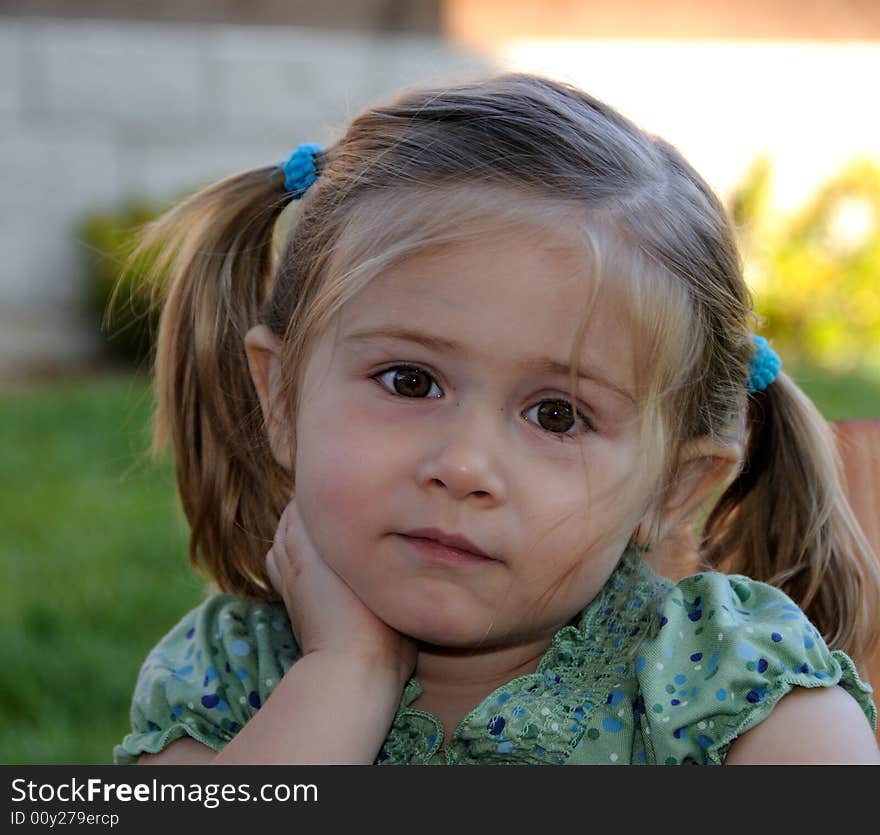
x: 96, y: 112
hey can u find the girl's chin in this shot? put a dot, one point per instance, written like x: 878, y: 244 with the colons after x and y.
x: 446, y: 633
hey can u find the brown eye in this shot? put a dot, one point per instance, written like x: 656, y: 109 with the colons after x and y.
x: 555, y: 416
x: 409, y: 382
x: 559, y: 418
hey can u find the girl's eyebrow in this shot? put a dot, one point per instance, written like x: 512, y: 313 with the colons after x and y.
x: 541, y: 365
x: 435, y: 343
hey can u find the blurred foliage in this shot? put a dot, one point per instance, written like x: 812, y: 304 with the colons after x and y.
x: 120, y: 298
x: 815, y: 274
x: 127, y: 305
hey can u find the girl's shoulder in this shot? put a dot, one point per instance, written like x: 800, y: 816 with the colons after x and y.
x: 209, y: 674
x: 724, y: 650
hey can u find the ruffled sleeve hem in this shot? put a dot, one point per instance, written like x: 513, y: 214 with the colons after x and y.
x: 726, y: 650
x: 152, y: 742
x: 846, y: 676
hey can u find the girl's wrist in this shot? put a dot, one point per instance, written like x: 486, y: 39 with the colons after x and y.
x: 379, y: 662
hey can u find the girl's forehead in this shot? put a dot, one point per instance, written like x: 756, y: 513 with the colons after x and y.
x: 523, y: 293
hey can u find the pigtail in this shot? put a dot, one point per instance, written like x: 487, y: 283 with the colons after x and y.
x: 213, y: 268
x: 786, y: 520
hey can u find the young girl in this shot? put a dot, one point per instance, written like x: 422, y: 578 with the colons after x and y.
x: 505, y: 355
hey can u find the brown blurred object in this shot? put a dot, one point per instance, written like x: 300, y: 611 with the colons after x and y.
x: 858, y: 444
x: 378, y: 16
x: 485, y: 22
x: 481, y: 22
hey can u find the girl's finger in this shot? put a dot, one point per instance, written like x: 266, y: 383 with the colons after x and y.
x: 272, y: 571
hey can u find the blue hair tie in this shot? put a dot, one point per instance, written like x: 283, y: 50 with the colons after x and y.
x: 299, y: 170
x: 764, y: 365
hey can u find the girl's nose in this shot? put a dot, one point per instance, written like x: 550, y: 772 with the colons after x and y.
x: 466, y: 460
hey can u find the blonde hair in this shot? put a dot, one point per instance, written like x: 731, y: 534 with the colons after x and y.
x: 403, y: 178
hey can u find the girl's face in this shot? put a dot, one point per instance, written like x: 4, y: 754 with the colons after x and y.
x: 439, y: 400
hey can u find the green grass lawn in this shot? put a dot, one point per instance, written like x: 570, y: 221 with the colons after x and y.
x: 93, y: 556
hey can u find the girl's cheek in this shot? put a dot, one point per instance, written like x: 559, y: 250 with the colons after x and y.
x: 339, y: 471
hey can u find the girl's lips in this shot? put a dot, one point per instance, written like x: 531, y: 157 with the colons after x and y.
x: 437, y: 551
x: 449, y: 540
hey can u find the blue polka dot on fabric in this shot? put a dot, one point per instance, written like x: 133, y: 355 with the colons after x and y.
x: 721, y: 694
x: 496, y: 725
x: 240, y: 648
x: 611, y: 725
x: 756, y: 695
x: 746, y: 651
x: 211, y: 700
x: 775, y: 637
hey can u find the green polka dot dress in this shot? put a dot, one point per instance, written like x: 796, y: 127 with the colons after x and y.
x: 652, y: 673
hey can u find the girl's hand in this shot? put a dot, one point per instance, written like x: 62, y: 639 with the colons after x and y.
x: 325, y: 613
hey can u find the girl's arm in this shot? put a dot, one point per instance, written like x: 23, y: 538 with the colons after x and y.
x: 335, y: 704
x: 821, y: 726
x: 328, y: 709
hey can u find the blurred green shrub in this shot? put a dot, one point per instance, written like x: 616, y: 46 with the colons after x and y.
x: 120, y: 298
x: 815, y: 274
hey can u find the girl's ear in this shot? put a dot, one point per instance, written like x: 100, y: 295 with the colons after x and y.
x: 263, y: 350
x: 704, y: 464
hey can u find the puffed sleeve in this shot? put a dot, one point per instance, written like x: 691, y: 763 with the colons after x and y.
x: 208, y: 675
x: 727, y: 650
